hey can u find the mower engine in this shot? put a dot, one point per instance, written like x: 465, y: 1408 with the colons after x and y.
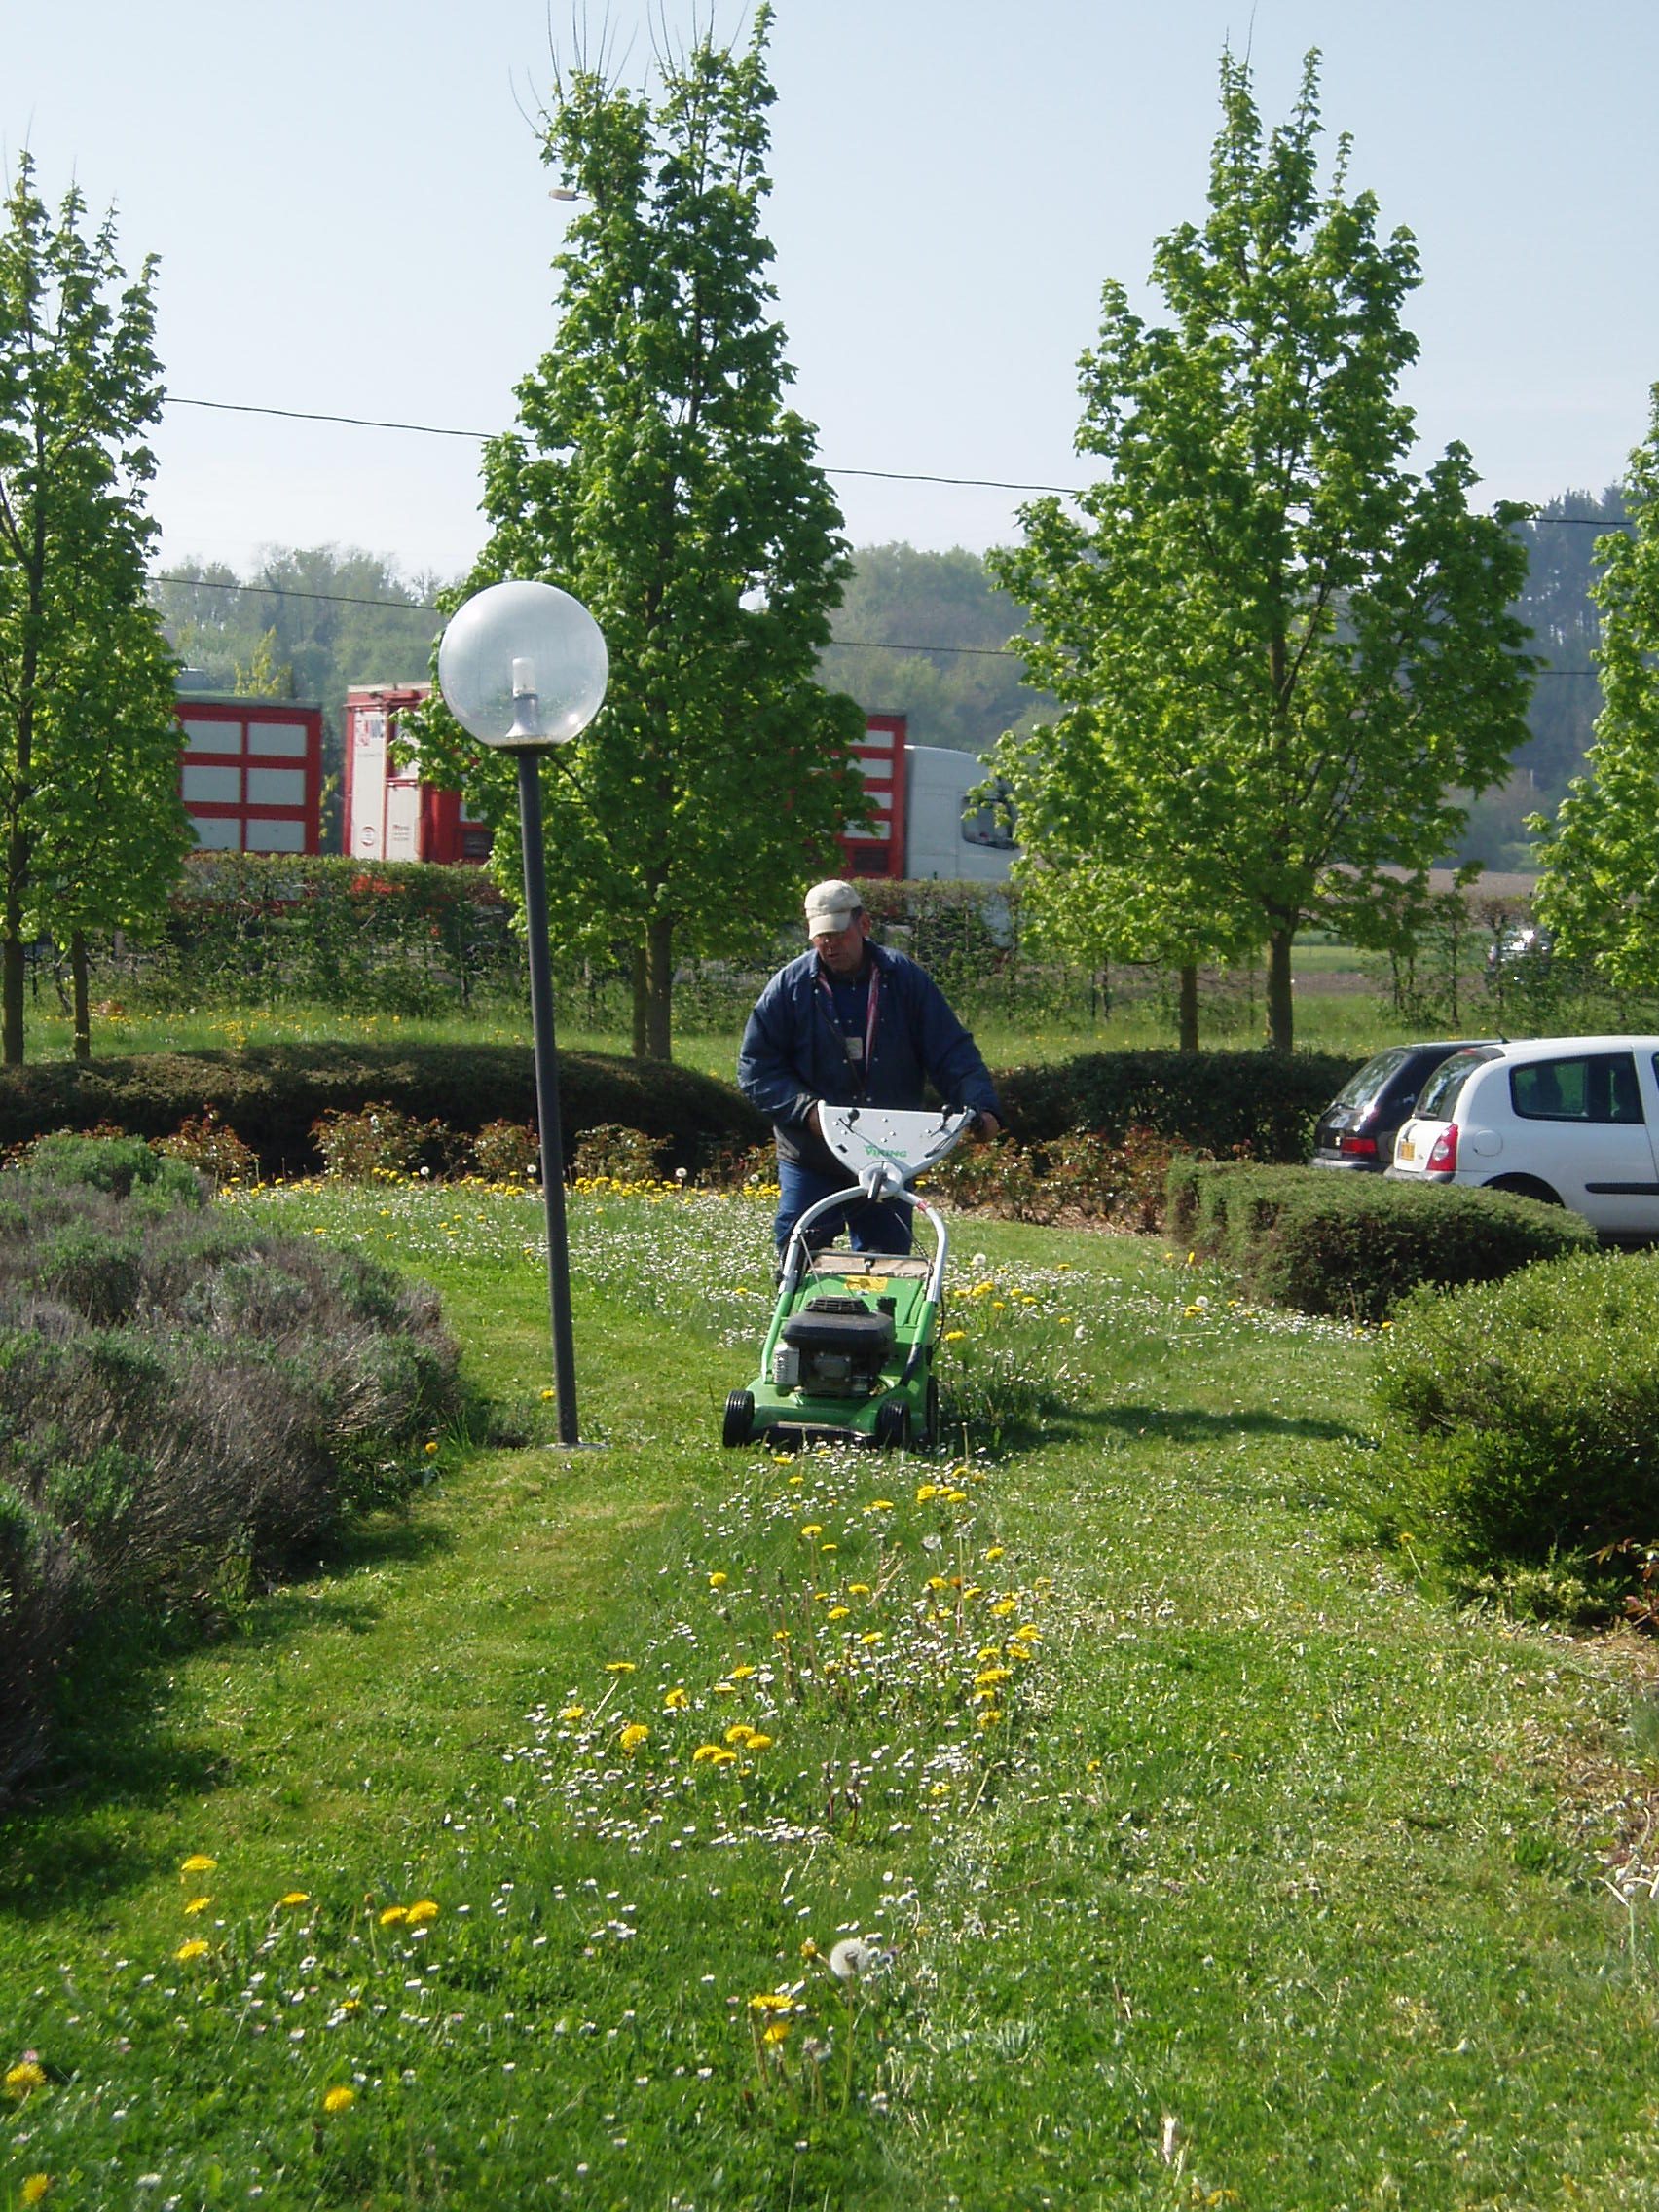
x: 834, y: 1347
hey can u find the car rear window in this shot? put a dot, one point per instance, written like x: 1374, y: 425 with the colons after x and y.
x: 1444, y: 1088
x: 1361, y: 1088
x: 1588, y: 1086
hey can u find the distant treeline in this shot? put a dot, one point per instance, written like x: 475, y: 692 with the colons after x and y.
x: 918, y: 633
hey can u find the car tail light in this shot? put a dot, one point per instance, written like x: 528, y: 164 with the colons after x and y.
x: 1363, y: 1146
x: 1443, y: 1153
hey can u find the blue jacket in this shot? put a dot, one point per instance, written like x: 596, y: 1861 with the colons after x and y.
x: 793, y: 1055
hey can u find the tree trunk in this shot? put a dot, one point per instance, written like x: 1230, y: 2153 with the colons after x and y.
x: 659, y: 990
x: 637, y: 982
x: 1281, y: 1015
x: 1186, y: 1011
x: 12, y: 1001
x: 82, y: 1046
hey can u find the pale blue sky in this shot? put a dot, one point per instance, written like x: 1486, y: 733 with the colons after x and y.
x: 351, y: 217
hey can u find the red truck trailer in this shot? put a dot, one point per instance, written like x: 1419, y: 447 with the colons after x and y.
x: 390, y: 813
x: 250, y: 772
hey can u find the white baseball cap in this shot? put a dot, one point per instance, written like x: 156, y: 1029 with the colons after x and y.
x: 830, y: 906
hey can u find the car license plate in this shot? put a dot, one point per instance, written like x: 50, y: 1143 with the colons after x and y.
x: 1404, y: 1150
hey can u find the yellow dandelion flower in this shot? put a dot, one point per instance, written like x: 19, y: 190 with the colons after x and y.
x: 739, y: 1732
x: 837, y: 1612
x: 196, y: 1949
x: 199, y: 1863
x: 547, y: 1397
x: 1018, y: 1650
x: 809, y: 1949
x: 812, y: 1529
x: 676, y: 1700
x: 857, y: 1589
x: 707, y: 1753
x: 726, y: 1689
x: 742, y: 1673
x: 198, y: 1905
x: 35, y: 2187
x: 937, y: 1582
x: 955, y: 1498
x: 394, y: 1916
x: 829, y: 1547
x: 780, y: 1636
x: 758, y: 1743
x: 870, y: 1636
x: 620, y: 1667
x: 772, y: 2000
x: 341, y: 2099
x: 776, y: 2032
x: 574, y: 1712
x: 955, y: 1336
x: 294, y: 1896
x: 995, y: 1551
x: 988, y: 1716
x: 992, y: 1676
x: 1003, y: 1605
x: 719, y: 1581
x: 28, y: 2076
x: 422, y: 1912
x: 431, y: 1445
x: 633, y: 1736
x: 879, y: 1505
x: 925, y: 1491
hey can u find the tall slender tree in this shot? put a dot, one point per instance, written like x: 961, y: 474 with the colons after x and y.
x: 92, y: 826
x: 1599, y: 890
x: 1278, y: 652
x: 657, y: 474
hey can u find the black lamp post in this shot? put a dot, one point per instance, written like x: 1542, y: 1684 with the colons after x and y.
x: 523, y: 667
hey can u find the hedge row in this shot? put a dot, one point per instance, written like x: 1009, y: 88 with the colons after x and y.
x: 1215, y: 1102
x: 1354, y: 1245
x: 271, y: 1094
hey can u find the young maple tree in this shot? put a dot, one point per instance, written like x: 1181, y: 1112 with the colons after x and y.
x: 1278, y: 653
x: 658, y: 476
x: 92, y: 826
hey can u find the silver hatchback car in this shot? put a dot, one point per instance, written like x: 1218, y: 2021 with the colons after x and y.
x: 1570, y: 1119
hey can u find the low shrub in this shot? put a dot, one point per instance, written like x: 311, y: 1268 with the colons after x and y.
x: 507, y: 1152
x: 1354, y: 1245
x: 1083, y: 1176
x: 627, y: 1155
x: 1522, y: 1417
x: 119, y: 1166
x: 376, y: 1141
x: 185, y: 1406
x: 215, y: 1151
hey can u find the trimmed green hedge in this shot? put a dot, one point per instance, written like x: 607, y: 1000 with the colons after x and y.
x: 1212, y: 1101
x: 1354, y: 1245
x: 271, y: 1095
x: 1522, y: 1417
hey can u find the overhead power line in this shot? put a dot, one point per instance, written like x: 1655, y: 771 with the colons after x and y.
x: 423, y: 607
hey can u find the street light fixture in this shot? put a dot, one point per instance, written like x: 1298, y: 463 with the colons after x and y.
x: 523, y: 667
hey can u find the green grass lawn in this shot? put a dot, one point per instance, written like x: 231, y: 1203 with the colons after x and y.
x: 1197, y: 1851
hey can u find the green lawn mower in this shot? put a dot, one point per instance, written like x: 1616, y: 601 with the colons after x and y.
x: 849, y: 1356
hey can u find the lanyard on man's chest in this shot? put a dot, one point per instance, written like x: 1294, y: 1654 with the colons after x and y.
x: 859, y: 1051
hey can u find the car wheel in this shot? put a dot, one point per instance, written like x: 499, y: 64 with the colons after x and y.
x: 1525, y: 1187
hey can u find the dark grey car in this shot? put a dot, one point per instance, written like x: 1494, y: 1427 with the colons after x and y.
x: 1357, y: 1129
